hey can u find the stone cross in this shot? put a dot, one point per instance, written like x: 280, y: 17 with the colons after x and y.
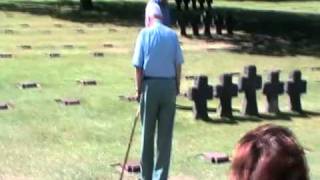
x: 272, y: 89
x: 207, y: 19
x: 225, y: 92
x: 294, y: 88
x: 248, y: 84
x: 200, y: 93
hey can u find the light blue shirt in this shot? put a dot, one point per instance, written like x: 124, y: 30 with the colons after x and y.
x: 157, y: 51
x: 166, y: 19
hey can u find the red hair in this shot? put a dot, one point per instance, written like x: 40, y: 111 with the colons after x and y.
x: 269, y: 152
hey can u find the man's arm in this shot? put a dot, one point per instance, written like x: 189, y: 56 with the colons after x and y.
x: 139, y: 78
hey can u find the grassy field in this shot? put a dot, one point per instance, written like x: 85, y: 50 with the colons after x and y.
x: 40, y: 139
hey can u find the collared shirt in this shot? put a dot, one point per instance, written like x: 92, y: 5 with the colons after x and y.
x: 157, y: 51
x: 166, y: 20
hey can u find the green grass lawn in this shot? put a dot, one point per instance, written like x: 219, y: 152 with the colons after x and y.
x: 40, y: 139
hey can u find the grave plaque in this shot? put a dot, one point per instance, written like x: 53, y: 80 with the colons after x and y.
x: 29, y: 85
x: 249, y: 84
x: 25, y: 25
x: 68, y: 46
x: 68, y: 102
x: 128, y: 98
x: 131, y: 167
x: 98, y: 54
x: 9, y: 31
x: 108, y: 45
x: 5, y: 56
x: 225, y: 92
x: 87, y: 82
x: 200, y: 93
x: 4, y: 106
x: 80, y: 31
x: 54, y: 55
x: 294, y: 88
x: 26, y: 47
x: 216, y: 157
x: 272, y: 89
x: 58, y: 25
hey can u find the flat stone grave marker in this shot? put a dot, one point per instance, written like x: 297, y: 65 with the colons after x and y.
x: 130, y: 167
x: 9, y: 31
x: 128, y: 98
x: 80, y: 31
x: 190, y: 77
x: 5, y: 56
x: 54, y: 55
x: 68, y: 46
x: 25, y: 25
x: 294, y: 88
x: 225, y: 92
x: 90, y: 25
x: 113, y: 30
x: 58, y: 25
x: 315, y: 68
x: 29, y: 85
x: 98, y: 54
x: 4, y: 106
x: 87, y: 82
x: 68, y: 102
x: 26, y: 47
x: 108, y: 45
x: 200, y: 93
x: 216, y: 157
x: 272, y: 89
x: 249, y: 84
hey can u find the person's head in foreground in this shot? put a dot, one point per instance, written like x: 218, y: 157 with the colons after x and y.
x: 153, y: 13
x: 269, y: 152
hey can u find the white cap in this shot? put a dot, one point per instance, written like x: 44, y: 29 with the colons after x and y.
x: 153, y: 10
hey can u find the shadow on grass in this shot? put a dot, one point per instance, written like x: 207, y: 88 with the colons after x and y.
x: 264, y: 32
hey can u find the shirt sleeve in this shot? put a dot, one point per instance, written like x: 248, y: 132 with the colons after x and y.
x: 138, y: 56
x: 179, y: 56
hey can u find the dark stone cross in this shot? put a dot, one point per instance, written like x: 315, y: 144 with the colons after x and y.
x: 294, y: 88
x: 248, y: 84
x: 186, y: 4
x: 218, y: 21
x: 178, y: 3
x: 225, y: 92
x: 207, y: 19
x: 272, y: 89
x: 200, y: 93
x: 195, y: 22
x: 201, y: 2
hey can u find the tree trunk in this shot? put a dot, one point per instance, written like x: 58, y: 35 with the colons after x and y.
x: 86, y: 4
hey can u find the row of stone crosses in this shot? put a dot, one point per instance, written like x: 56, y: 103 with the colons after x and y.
x: 249, y: 83
x: 202, y: 17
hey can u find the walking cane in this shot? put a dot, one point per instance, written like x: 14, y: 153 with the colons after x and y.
x: 129, y: 144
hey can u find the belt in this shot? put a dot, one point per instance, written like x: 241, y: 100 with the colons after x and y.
x: 158, y: 78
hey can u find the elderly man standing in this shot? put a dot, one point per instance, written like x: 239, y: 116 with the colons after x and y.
x: 157, y: 59
x: 164, y: 6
